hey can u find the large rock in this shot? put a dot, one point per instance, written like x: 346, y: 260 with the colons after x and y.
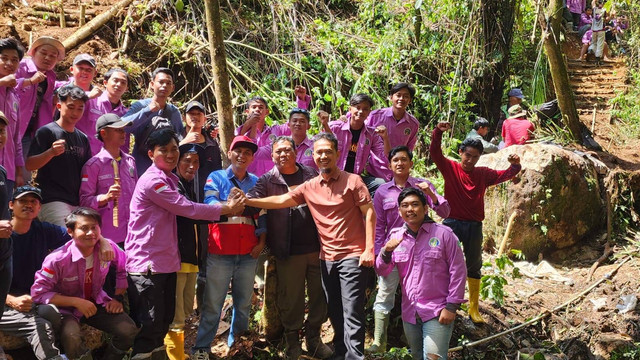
x: 556, y: 195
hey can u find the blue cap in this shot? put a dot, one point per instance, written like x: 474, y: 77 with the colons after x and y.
x: 515, y: 92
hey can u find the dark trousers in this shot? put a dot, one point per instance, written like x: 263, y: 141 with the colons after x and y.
x: 344, y: 284
x: 470, y: 234
x: 120, y: 326
x: 152, y: 299
x: 6, y: 271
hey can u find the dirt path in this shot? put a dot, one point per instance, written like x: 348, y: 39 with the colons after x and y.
x: 594, y: 86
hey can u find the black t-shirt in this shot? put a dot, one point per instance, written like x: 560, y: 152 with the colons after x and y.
x: 304, y: 235
x: 351, y: 157
x: 59, y: 179
x: 29, y: 251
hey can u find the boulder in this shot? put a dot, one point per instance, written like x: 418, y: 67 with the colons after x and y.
x: 92, y: 338
x: 557, y: 198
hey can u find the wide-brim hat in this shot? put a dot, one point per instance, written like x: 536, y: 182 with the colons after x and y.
x: 516, y: 111
x: 47, y: 40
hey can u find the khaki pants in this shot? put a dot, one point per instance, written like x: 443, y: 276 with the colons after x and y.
x: 185, y: 293
x: 292, y: 275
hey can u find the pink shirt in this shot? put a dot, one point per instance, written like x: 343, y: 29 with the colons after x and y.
x: 27, y: 96
x: 386, y: 206
x: 431, y: 267
x: 97, y: 178
x: 152, y: 238
x: 304, y: 154
x: 11, y: 155
x: 370, y: 154
x: 516, y: 131
x: 63, y: 273
x: 93, y: 109
x: 401, y: 132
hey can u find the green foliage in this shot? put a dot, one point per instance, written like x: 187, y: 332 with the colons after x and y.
x: 495, y: 278
x: 627, y: 353
x: 626, y: 106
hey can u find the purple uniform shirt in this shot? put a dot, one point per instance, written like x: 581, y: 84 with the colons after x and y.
x: 386, y: 208
x: 63, y: 273
x: 11, y: 155
x: 152, y: 238
x: 370, y: 154
x: 304, y: 103
x: 97, y: 178
x: 576, y: 6
x: 268, y: 134
x: 400, y: 132
x: 304, y: 153
x: 431, y: 268
x: 27, y: 96
x: 262, y: 161
x: 93, y: 109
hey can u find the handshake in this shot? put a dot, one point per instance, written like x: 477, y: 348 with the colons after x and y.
x: 236, y: 201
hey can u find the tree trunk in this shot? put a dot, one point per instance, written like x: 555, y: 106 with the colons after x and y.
x: 497, y: 34
x: 220, y: 75
x: 271, y: 324
x: 558, y: 68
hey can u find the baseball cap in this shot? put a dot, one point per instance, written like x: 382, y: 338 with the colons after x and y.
x: 3, y: 118
x: 515, y: 92
x: 193, y: 148
x: 244, y: 141
x: 25, y: 190
x: 194, y: 105
x: 84, y: 58
x: 47, y: 40
x: 112, y: 121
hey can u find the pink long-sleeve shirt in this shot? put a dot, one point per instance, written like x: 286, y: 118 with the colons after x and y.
x: 370, y: 154
x: 400, y: 132
x: 27, y: 96
x: 385, y: 204
x: 63, y: 273
x: 152, y: 238
x: 97, y: 178
x: 431, y: 267
x: 11, y: 155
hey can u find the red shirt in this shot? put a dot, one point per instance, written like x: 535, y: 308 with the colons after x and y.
x: 516, y: 131
x: 465, y: 190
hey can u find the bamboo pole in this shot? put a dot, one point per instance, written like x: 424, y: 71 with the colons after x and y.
x: 507, y: 232
x: 93, y: 25
x: 83, y: 9
x: 63, y: 21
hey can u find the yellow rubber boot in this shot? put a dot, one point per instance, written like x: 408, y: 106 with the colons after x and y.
x: 175, y: 344
x: 474, y: 295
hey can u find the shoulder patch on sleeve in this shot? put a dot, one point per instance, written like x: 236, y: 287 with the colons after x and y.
x: 48, y: 272
x: 158, y: 188
x: 85, y: 177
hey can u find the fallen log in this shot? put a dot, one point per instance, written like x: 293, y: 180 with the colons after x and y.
x: 93, y: 25
x: 47, y: 8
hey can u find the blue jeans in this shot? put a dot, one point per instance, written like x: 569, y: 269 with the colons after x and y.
x: 240, y: 270
x: 386, y: 296
x: 429, y: 337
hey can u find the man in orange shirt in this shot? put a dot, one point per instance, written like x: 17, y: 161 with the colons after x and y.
x: 341, y: 207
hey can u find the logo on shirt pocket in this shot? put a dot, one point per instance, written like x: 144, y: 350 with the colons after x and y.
x: 407, y: 131
x: 308, y: 152
x: 434, y: 242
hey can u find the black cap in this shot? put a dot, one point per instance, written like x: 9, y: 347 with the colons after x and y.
x: 25, y: 190
x: 84, y: 58
x: 194, y: 105
x: 193, y: 148
x: 112, y: 121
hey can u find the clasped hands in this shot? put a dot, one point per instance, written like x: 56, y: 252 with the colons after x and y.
x: 236, y: 200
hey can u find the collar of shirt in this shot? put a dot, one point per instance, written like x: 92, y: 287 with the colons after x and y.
x: 245, y: 184
x: 305, y: 144
x: 76, y: 255
x: 170, y: 177
x: 103, y: 154
x: 104, y: 99
x: 334, y: 177
x: 388, y: 112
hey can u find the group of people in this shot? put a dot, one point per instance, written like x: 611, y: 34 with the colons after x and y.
x: 104, y: 229
x: 596, y: 27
